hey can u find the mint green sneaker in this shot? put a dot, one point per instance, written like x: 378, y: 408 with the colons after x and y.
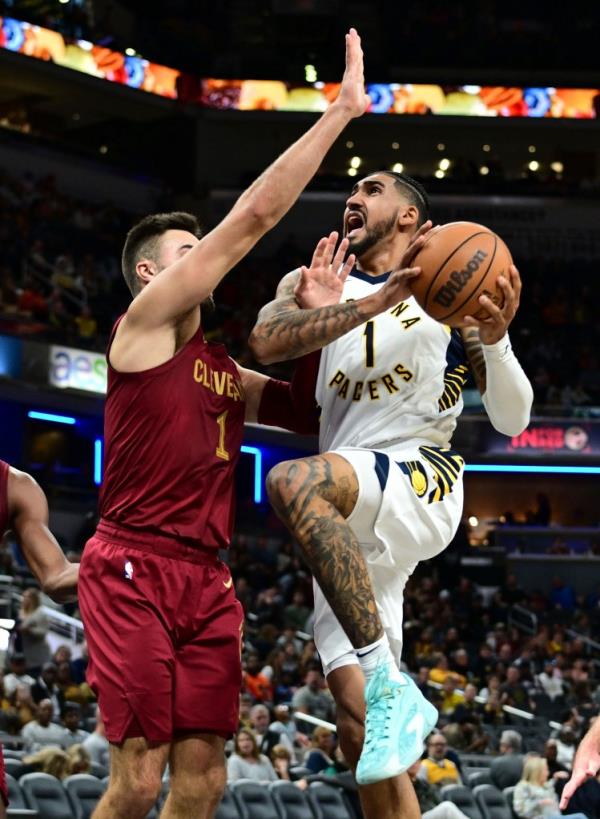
x: 398, y: 720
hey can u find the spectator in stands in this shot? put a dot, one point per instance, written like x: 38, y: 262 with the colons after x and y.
x: 255, y: 682
x: 513, y: 692
x: 246, y: 761
x: 79, y: 665
x: 551, y: 683
x: 466, y: 735
x: 507, y: 768
x: 562, y: 596
x: 296, y: 614
x: 73, y: 734
x: 45, y: 688
x: 437, y: 769
x: 246, y: 703
x: 17, y: 675
x: 96, y: 743
x: 51, y: 760
x: 284, y: 723
x: 324, y: 757
x: 41, y: 731
x: 534, y: 796
x: 32, y: 627
x: 430, y: 802
x: 566, y: 745
x: 281, y: 761
x: 62, y: 654
x: 313, y: 698
x: 441, y: 671
x: 551, y: 757
x: 17, y: 710
x: 451, y: 698
x: 266, y: 737
x: 80, y: 693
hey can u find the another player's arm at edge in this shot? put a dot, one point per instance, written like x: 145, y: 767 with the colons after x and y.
x: 284, y: 330
x: 28, y: 512
x: 269, y: 401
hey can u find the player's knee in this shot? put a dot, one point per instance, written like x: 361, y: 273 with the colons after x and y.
x: 282, y: 484
x: 138, y: 792
x: 350, y: 735
x: 200, y: 790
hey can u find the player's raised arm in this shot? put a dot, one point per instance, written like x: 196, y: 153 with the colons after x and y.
x: 192, y: 279
x: 28, y: 510
x: 306, y: 314
x: 505, y: 389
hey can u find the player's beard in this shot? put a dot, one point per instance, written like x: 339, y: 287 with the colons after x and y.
x: 208, y: 307
x: 372, y: 235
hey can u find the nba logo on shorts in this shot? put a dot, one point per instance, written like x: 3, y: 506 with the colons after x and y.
x: 128, y: 572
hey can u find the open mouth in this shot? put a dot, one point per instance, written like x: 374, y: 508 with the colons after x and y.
x: 354, y: 222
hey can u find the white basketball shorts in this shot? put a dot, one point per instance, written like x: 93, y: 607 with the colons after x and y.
x: 408, y: 509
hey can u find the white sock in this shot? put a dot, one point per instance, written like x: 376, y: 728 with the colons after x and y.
x: 371, y: 656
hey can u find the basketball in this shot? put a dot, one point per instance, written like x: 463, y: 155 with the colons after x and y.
x: 460, y: 262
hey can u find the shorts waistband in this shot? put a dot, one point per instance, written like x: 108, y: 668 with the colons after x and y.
x: 157, y: 544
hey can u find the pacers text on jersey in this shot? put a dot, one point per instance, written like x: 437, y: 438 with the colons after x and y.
x: 220, y: 382
x: 347, y: 388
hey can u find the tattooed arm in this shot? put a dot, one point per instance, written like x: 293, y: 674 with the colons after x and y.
x: 306, y: 314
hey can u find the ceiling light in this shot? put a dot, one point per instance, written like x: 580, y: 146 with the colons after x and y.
x: 439, y: 174
x: 484, y: 170
x: 397, y: 167
x: 351, y: 171
x: 355, y: 162
x: 534, y: 165
x: 557, y: 167
x: 444, y: 164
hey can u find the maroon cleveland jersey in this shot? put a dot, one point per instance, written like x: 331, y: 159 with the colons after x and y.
x: 4, y: 467
x: 172, y: 440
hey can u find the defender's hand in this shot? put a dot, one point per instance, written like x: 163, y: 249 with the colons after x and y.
x: 321, y: 284
x: 494, y: 328
x: 353, y: 97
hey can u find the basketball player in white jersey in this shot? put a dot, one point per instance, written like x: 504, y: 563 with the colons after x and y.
x: 386, y: 492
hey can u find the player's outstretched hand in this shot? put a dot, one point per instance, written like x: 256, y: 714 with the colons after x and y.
x: 321, y: 284
x: 353, y: 97
x: 494, y: 328
x: 585, y: 766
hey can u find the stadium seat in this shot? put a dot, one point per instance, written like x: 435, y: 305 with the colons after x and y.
x: 14, y: 767
x: 290, y: 801
x: 97, y: 770
x: 491, y: 802
x: 22, y: 813
x: 253, y: 800
x: 508, y: 796
x: 478, y: 778
x: 15, y: 794
x: 462, y: 798
x: 299, y: 772
x: 327, y: 802
x: 84, y: 791
x: 476, y: 760
x: 46, y: 795
x: 227, y: 807
x: 12, y: 753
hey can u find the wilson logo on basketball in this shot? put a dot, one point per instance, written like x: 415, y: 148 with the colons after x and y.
x: 457, y: 280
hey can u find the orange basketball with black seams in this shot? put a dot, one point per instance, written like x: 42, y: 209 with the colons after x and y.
x: 460, y: 262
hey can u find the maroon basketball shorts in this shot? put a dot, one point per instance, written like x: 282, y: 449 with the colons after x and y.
x: 163, y: 628
x: 3, y: 783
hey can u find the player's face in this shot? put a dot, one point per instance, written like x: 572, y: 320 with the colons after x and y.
x: 174, y: 244
x: 371, y: 212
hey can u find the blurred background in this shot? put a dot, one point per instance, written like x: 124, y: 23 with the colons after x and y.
x: 110, y: 110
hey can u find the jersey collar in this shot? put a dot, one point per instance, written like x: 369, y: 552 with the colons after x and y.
x: 364, y: 277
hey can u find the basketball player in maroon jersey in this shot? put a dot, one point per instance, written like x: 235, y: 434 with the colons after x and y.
x: 24, y: 509
x: 162, y: 622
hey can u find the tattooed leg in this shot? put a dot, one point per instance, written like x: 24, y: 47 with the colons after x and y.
x: 313, y: 497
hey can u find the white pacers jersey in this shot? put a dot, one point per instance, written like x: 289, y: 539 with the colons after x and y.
x: 396, y: 378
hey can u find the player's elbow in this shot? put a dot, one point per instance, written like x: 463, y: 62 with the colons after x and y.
x: 261, y: 348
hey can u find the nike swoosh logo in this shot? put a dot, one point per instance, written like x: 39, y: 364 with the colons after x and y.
x: 228, y: 584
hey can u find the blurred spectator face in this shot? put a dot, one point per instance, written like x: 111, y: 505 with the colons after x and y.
x: 253, y: 665
x: 17, y: 665
x: 449, y: 685
x: 49, y: 674
x: 282, y: 713
x: 470, y: 692
x: 45, y: 712
x: 246, y: 702
x: 71, y: 719
x: 298, y: 598
x: 245, y: 745
x: 437, y: 747
x: 63, y: 673
x: 314, y: 680
x: 259, y: 718
x: 505, y: 653
x: 325, y: 741
x: 551, y: 751
x: 62, y: 655
x: 512, y: 674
